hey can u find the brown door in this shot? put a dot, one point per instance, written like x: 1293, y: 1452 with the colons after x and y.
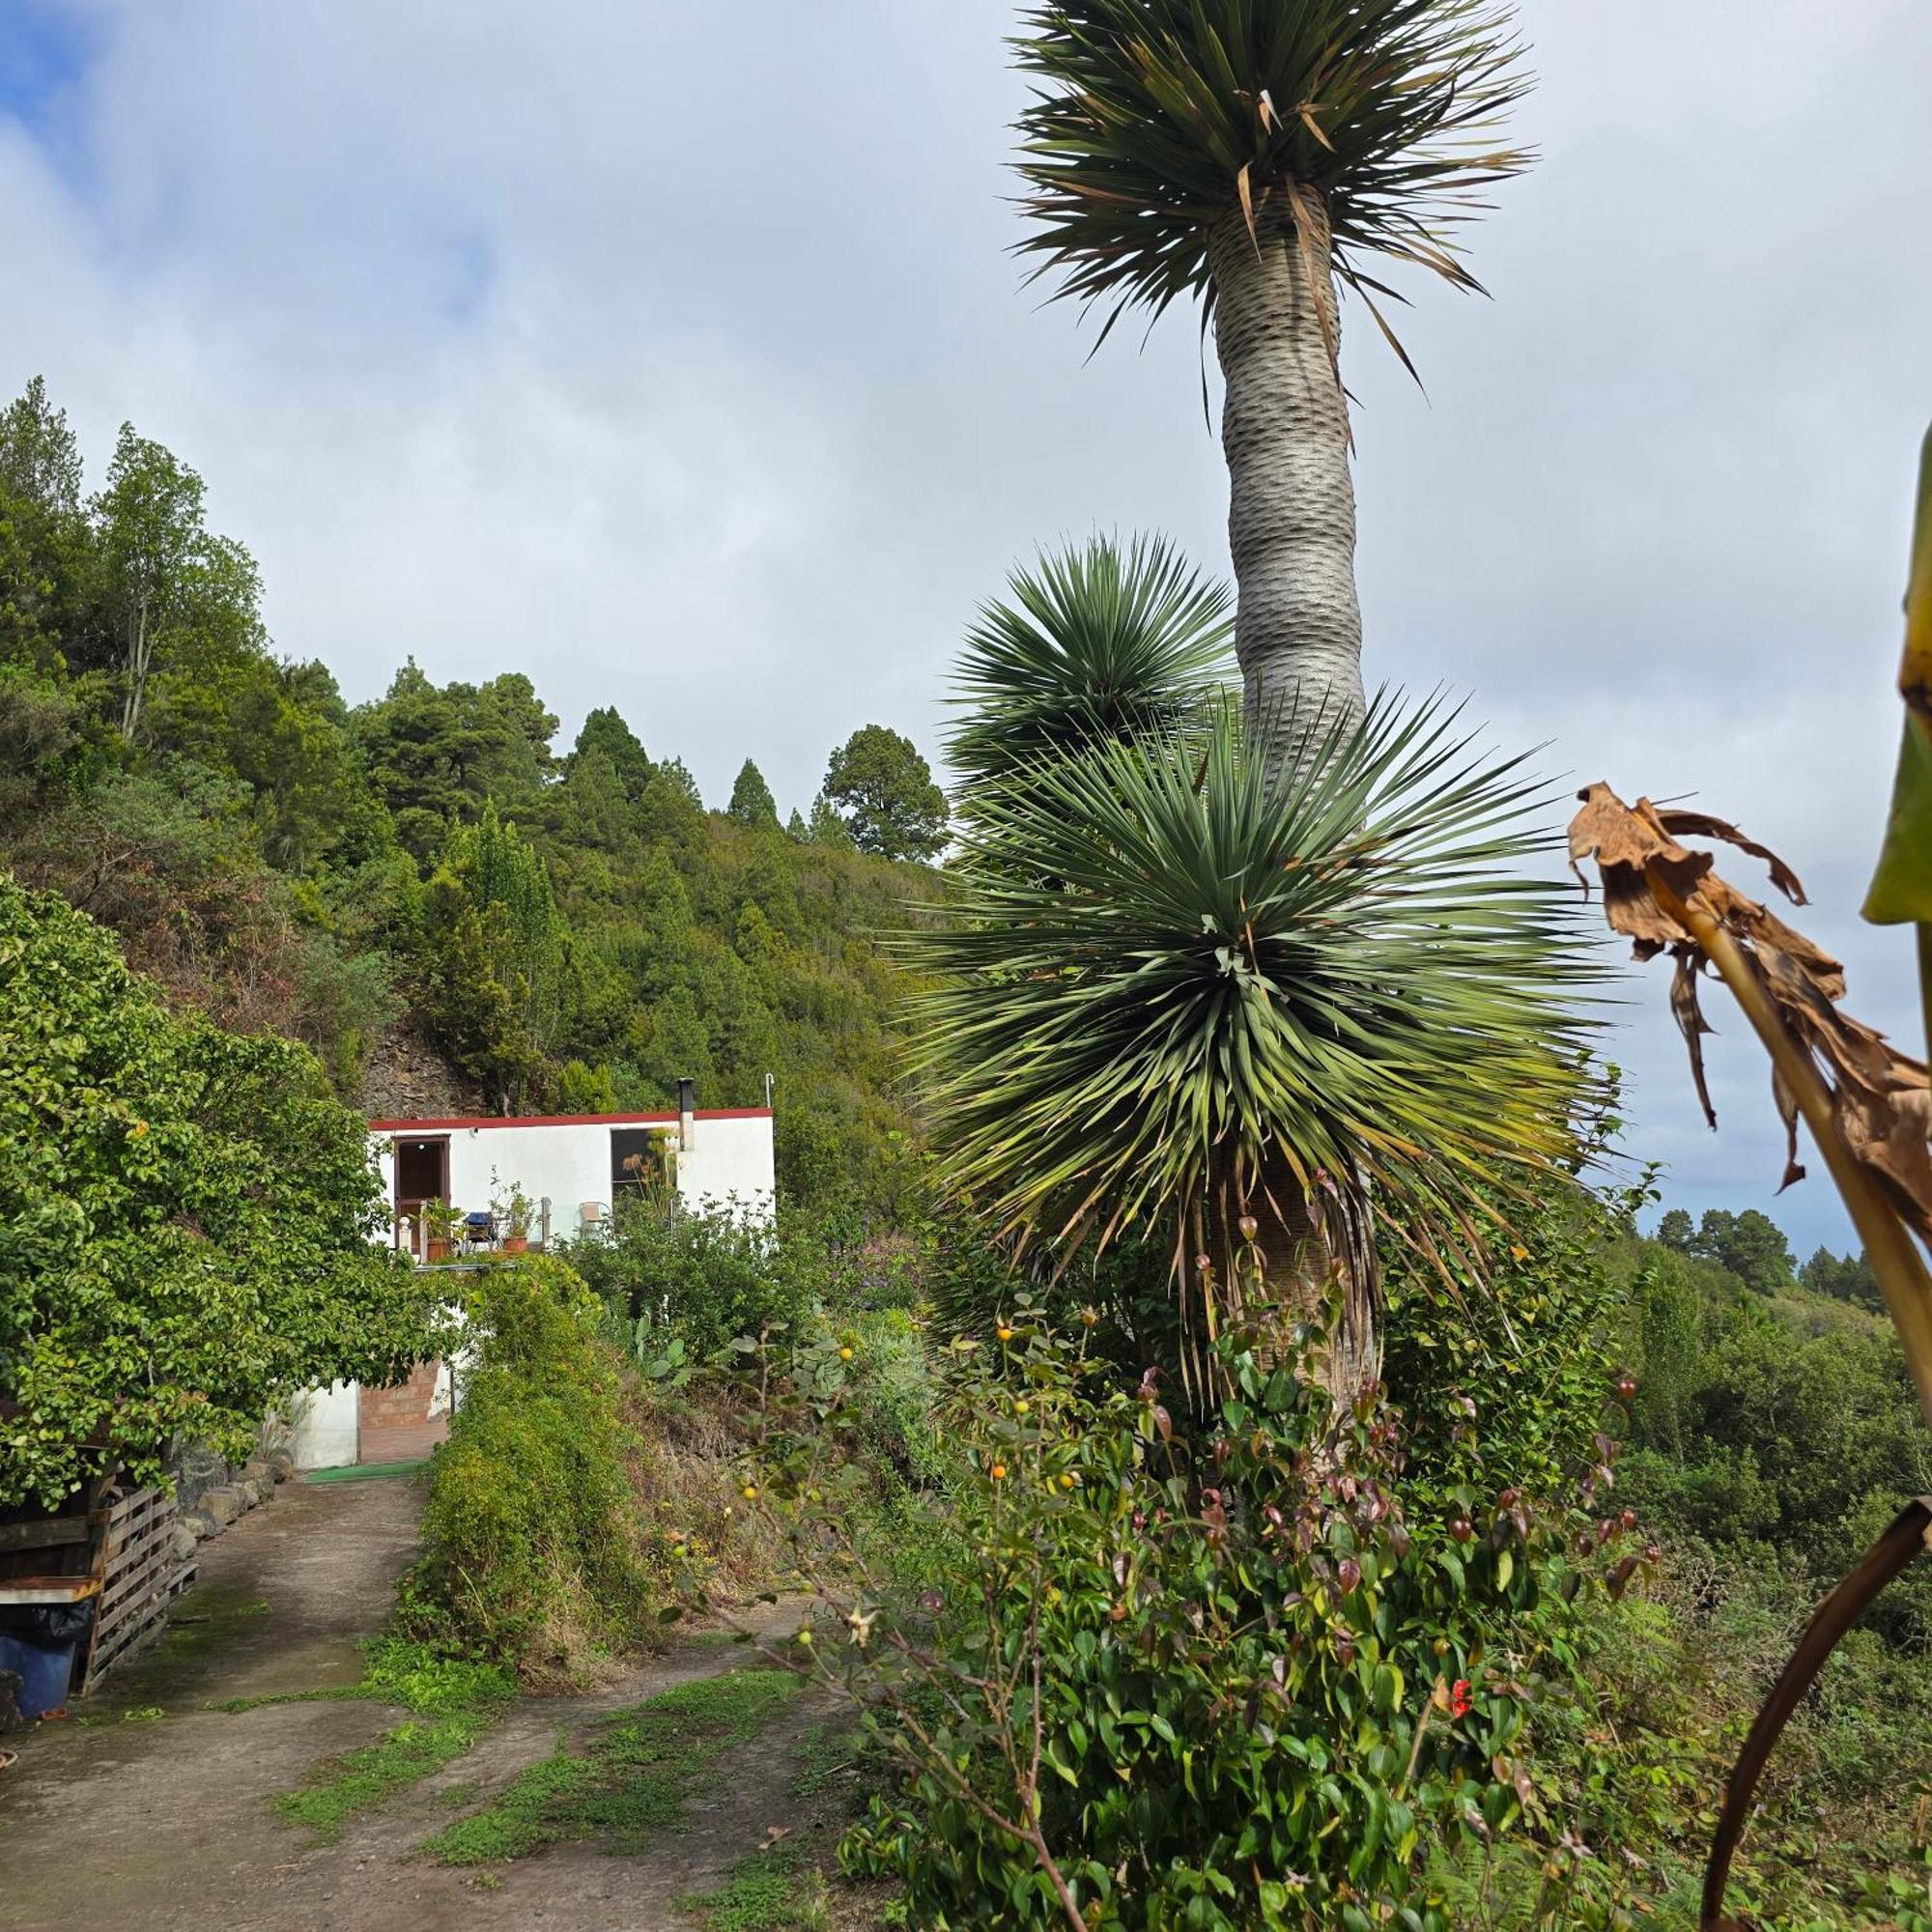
x: 422, y: 1174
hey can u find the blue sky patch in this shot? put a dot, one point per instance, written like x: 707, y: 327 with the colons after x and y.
x: 43, y: 47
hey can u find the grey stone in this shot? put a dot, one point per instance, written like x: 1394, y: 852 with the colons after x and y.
x: 225, y: 1502
x: 281, y: 1464
x: 182, y: 1539
x: 199, y: 1523
x: 254, y: 1470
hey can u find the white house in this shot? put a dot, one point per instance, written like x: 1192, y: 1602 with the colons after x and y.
x: 571, y: 1171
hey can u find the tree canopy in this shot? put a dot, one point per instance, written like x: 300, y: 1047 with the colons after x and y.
x: 183, y: 1215
x: 882, y: 786
x: 1151, y: 121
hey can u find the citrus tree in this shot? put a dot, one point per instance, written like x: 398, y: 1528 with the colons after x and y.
x: 184, y: 1220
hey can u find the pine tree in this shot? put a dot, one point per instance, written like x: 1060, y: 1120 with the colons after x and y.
x: 751, y: 802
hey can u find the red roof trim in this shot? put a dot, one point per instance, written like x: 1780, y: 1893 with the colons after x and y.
x: 564, y: 1120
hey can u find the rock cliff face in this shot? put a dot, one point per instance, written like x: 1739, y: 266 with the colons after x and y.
x: 407, y: 1079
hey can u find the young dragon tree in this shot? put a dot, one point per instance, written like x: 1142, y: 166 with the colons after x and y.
x: 1184, y: 986
x: 1256, y: 158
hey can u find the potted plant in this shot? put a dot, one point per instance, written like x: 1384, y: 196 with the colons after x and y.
x: 516, y: 1222
x: 440, y: 1220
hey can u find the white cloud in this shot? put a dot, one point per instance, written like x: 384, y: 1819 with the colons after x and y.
x: 679, y: 364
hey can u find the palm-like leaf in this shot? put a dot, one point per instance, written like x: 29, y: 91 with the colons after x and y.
x: 1097, y: 644
x: 1155, y: 119
x: 1340, y: 973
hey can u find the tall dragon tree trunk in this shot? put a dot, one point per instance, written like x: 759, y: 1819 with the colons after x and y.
x: 1292, y: 501
x: 1298, y: 623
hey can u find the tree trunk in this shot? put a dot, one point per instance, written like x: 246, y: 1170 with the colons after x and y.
x: 1292, y: 501
x: 1298, y: 623
x: 139, y: 651
x: 1296, y: 1263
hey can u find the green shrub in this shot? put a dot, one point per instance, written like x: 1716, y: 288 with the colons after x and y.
x: 1230, y: 1680
x: 893, y: 1399
x: 532, y: 1550
x: 696, y: 1280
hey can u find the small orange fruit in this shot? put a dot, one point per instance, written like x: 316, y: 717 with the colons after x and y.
x: 1068, y: 1481
x: 750, y: 1493
x: 844, y: 1354
x: 1004, y: 1334
x: 999, y: 1472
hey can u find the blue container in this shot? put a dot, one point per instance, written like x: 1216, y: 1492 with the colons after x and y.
x: 43, y: 1670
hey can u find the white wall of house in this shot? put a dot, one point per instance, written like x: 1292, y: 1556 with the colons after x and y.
x: 325, y: 1428
x: 568, y: 1161
x: 728, y: 1166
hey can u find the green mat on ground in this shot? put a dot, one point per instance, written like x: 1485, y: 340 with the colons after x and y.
x: 364, y: 1472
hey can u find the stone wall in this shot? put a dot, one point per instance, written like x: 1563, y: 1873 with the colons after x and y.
x: 212, y: 1493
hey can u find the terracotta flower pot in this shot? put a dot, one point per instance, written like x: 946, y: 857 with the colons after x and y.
x: 516, y: 1244
x: 436, y: 1250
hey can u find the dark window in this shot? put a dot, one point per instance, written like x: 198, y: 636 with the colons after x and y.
x: 637, y: 1166
x: 422, y: 1171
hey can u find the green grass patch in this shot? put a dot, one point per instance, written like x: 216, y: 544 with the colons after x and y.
x: 631, y: 1778
x: 826, y: 1754
x: 774, y: 1890
x: 455, y: 1700
x: 365, y: 1779
x: 397, y: 1671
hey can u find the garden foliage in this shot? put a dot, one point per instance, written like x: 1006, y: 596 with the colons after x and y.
x: 1255, y: 1669
x: 184, y: 1220
x: 534, y: 1534
x: 1237, y: 1677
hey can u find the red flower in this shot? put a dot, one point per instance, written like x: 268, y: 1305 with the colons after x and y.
x: 1459, y: 1698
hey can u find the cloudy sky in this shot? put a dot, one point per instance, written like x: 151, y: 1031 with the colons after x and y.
x: 672, y: 354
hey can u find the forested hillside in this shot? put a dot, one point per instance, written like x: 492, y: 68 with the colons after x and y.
x: 449, y: 909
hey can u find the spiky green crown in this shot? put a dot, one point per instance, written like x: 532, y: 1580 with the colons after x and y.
x: 1152, y: 119
x: 1170, y: 964
x: 1096, y: 643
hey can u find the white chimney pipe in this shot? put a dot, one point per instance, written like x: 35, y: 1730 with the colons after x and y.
x: 687, y: 1114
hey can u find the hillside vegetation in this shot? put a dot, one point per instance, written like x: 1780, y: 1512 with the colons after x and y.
x: 422, y: 888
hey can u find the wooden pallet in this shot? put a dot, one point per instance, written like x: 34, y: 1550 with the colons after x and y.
x: 140, y: 1578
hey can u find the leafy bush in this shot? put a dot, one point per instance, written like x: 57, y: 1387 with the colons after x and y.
x: 533, y: 1546
x: 184, y: 1220
x: 1235, y: 1679
x: 696, y: 1280
x: 1799, y: 1441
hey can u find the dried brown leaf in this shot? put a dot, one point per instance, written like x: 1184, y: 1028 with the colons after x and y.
x: 1881, y: 1099
x: 1890, y: 1135
x: 1623, y: 839
x: 1787, y: 1104
x: 1692, y: 1023
x: 1701, y: 825
x: 1247, y: 194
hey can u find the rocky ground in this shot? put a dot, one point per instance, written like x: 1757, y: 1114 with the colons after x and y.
x: 150, y: 1811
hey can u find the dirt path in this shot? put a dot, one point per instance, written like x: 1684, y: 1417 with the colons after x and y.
x: 154, y: 1813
